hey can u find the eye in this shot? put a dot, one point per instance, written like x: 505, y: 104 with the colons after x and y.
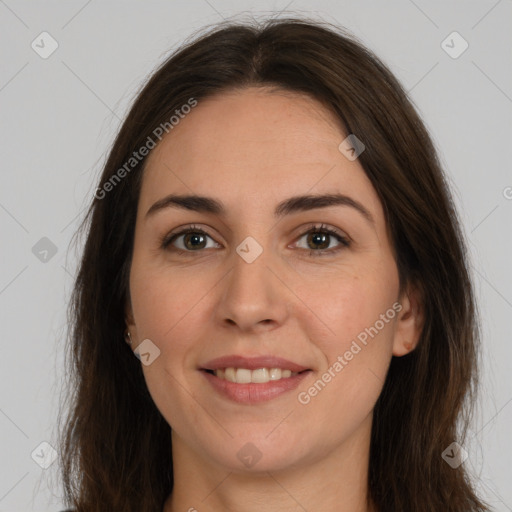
x: 319, y: 239
x: 188, y: 240
x: 193, y: 239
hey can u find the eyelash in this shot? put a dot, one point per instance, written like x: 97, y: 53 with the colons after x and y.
x: 166, y: 240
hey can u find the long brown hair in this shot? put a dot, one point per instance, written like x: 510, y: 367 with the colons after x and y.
x: 115, y: 445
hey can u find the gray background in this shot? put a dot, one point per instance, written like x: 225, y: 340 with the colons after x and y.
x: 59, y: 116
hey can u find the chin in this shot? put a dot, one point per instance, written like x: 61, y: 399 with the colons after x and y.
x: 258, y: 454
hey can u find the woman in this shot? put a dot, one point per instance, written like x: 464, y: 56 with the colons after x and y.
x: 274, y: 240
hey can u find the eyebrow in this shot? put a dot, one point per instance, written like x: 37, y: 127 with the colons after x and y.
x: 291, y: 205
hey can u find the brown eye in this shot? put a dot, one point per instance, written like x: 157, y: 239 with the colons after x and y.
x: 194, y: 241
x: 319, y: 240
x: 188, y: 240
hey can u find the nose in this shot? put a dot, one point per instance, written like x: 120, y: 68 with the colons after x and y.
x: 254, y: 297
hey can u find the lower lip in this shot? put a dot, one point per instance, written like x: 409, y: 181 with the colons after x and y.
x: 254, y: 393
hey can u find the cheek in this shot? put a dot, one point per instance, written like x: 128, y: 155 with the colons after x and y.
x: 353, y: 328
x: 166, y: 310
x: 345, y: 389
x: 164, y: 304
x: 348, y: 304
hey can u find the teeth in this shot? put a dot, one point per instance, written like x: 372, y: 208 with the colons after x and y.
x: 243, y: 376
x: 275, y: 373
x: 259, y: 376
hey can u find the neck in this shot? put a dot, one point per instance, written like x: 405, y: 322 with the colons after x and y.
x: 337, y: 482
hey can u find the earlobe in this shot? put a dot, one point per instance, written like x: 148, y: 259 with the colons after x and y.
x: 130, y: 332
x: 408, y: 346
x: 409, y: 322
x: 128, y: 316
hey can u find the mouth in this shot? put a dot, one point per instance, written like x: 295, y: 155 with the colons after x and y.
x: 253, y: 380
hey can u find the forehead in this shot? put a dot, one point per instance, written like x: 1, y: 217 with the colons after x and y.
x: 258, y: 146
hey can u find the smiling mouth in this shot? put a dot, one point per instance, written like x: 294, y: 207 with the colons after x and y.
x: 252, y: 380
x: 257, y: 376
x: 251, y: 387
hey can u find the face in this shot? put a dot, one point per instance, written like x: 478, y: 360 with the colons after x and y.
x: 298, y: 299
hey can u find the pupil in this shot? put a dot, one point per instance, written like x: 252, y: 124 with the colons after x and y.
x: 320, y: 238
x: 195, y: 240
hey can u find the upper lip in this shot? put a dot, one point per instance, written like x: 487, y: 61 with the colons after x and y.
x: 252, y: 363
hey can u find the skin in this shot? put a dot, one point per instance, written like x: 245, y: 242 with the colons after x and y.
x: 252, y: 149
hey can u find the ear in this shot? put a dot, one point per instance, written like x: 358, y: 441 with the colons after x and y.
x: 130, y: 321
x: 410, y: 320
